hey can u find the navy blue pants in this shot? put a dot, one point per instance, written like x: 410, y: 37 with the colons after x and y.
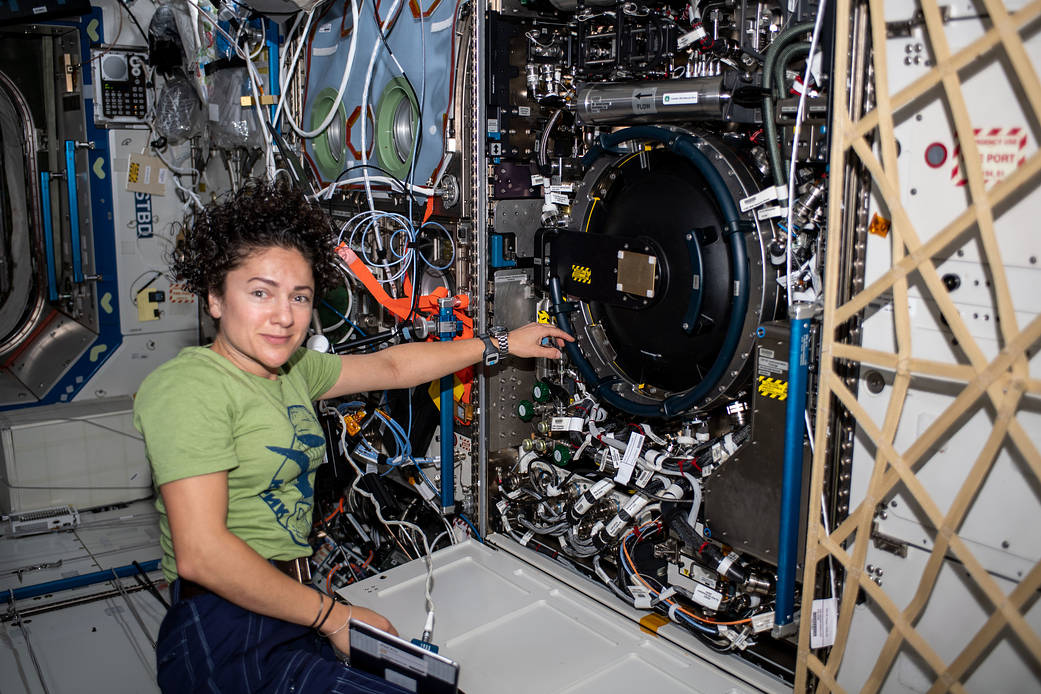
x: 207, y: 644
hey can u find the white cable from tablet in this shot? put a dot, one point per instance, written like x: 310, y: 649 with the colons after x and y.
x: 428, y: 628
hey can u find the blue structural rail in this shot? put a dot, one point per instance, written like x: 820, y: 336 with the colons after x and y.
x: 75, y: 582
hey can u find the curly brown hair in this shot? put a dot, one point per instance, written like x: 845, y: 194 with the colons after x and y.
x: 260, y: 215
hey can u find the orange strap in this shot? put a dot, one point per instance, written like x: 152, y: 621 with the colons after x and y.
x: 401, y: 307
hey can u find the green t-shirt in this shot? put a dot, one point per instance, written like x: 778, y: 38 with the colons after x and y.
x: 199, y: 414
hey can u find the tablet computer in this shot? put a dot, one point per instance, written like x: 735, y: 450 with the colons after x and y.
x: 400, y: 662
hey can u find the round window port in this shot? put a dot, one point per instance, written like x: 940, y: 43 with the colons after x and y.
x: 936, y: 155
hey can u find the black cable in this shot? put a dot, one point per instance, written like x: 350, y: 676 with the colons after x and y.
x: 143, y: 580
x: 369, y: 341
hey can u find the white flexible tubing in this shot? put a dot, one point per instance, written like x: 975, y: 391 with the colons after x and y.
x: 795, y: 146
x: 328, y: 190
x: 269, y: 145
x: 307, y: 134
x: 287, y: 70
x: 365, y: 101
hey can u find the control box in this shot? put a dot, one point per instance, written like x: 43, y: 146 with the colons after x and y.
x: 121, y: 97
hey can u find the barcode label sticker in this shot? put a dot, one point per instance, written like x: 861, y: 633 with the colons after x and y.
x: 760, y: 198
x: 641, y: 597
x: 425, y: 491
x: 566, y: 424
x: 690, y: 37
x: 771, y: 212
x: 643, y: 477
x: 762, y: 622
x: 703, y: 595
x: 824, y: 619
x: 628, y: 462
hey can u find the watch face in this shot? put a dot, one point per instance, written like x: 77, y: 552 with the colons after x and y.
x: 491, y: 351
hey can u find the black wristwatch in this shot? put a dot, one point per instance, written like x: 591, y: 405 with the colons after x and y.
x: 496, y: 344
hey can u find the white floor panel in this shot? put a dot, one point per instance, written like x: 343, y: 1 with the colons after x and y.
x: 513, y: 627
x: 96, y: 646
x: 631, y: 674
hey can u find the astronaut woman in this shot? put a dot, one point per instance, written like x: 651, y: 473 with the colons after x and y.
x: 234, y: 443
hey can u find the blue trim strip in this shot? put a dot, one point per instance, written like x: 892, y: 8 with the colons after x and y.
x: 48, y: 234
x: 272, y: 68
x: 99, y: 178
x: 74, y: 211
x: 75, y: 581
x: 791, y: 485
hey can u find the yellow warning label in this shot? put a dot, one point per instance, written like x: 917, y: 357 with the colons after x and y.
x: 581, y: 274
x: 773, y: 388
x: 543, y: 317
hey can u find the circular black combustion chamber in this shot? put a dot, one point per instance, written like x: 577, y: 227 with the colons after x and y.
x: 658, y: 199
x: 678, y: 338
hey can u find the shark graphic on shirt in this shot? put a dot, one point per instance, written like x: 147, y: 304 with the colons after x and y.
x: 295, y: 472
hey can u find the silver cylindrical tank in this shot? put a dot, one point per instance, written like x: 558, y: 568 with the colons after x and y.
x: 653, y: 101
x: 572, y: 5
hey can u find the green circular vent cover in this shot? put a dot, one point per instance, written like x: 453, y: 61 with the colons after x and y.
x: 330, y: 147
x: 397, y: 127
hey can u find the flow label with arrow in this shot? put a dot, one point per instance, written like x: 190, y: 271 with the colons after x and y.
x: 645, y: 101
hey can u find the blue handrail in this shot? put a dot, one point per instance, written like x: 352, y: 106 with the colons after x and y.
x: 799, y: 314
x: 48, y: 235
x: 74, y: 211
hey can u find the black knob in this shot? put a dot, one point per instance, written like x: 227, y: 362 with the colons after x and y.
x: 951, y: 281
